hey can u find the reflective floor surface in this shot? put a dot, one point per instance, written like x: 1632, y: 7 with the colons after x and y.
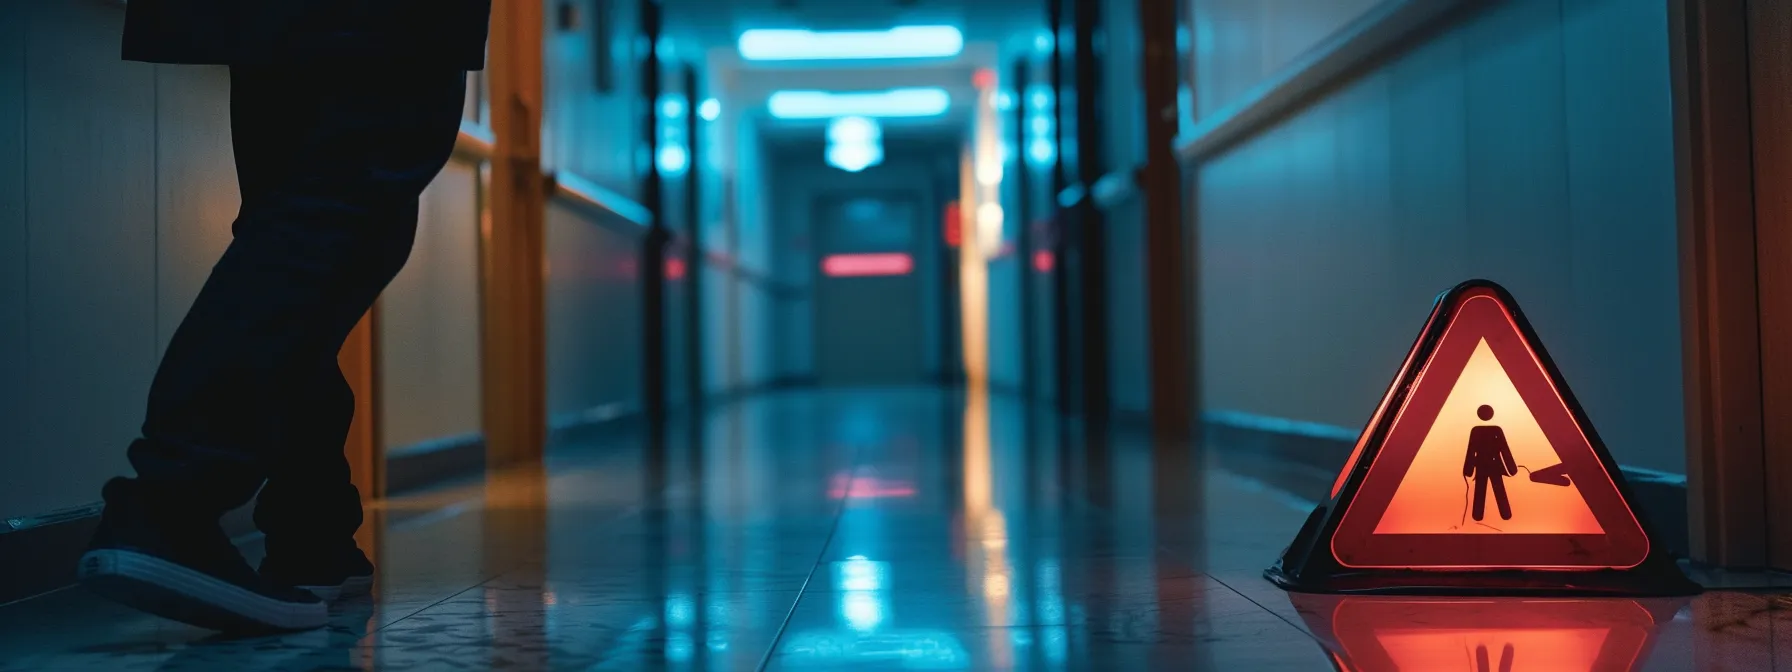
x: 907, y: 530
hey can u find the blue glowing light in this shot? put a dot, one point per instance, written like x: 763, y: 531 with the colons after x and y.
x: 672, y: 106
x: 674, y: 159
x: 853, y: 157
x: 808, y: 45
x: 1039, y: 97
x: 854, y: 129
x: 710, y: 109
x: 1040, y: 151
x: 914, y: 102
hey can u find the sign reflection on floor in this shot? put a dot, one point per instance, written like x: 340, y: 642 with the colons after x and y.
x: 1371, y: 634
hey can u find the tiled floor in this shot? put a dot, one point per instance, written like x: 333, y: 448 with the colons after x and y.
x: 891, y: 530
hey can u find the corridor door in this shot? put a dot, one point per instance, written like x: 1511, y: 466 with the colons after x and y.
x: 868, y: 322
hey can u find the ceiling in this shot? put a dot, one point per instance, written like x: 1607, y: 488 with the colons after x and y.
x: 717, y: 24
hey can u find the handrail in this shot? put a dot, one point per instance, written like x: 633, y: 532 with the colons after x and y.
x: 725, y: 262
x: 475, y: 141
x: 1383, y: 29
x: 597, y: 200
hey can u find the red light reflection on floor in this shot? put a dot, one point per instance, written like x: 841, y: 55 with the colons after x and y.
x: 867, y: 487
x: 1482, y: 635
x: 862, y: 265
x: 1043, y: 261
x: 674, y: 269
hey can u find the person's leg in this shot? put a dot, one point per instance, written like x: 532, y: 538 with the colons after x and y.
x: 1480, y: 509
x: 357, y: 145
x: 310, y: 508
x: 1499, y: 498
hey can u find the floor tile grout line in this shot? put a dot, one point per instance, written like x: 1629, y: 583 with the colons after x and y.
x: 1179, y: 556
x: 821, y: 558
x: 617, y: 521
x: 1297, y: 626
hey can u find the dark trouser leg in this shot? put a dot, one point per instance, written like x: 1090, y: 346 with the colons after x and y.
x: 310, y: 503
x: 332, y: 162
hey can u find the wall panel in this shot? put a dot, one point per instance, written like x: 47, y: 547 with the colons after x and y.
x: 589, y: 131
x: 90, y: 189
x: 15, y: 269
x: 1240, y: 43
x: 594, y: 316
x: 1531, y: 145
x: 196, y: 191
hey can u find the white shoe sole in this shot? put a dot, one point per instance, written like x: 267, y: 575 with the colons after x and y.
x: 355, y: 586
x: 156, y: 586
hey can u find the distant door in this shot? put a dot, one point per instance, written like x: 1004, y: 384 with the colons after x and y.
x: 868, y: 326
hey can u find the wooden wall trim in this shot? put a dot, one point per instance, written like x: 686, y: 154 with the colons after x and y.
x: 1720, y: 330
x: 1770, y: 72
x: 1172, y: 369
x: 475, y: 142
x: 513, y: 292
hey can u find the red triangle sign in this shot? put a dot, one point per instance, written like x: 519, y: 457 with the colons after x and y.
x: 1478, y: 472
x: 1381, y: 634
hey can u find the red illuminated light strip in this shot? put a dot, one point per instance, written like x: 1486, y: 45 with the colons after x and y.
x: 867, y: 265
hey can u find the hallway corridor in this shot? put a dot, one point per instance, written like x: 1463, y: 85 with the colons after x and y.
x: 883, y: 530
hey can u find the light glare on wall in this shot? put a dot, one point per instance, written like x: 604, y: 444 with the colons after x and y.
x: 989, y: 227
x: 913, y: 102
x: 809, y: 45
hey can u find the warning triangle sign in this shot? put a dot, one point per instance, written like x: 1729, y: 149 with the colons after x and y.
x: 1478, y: 473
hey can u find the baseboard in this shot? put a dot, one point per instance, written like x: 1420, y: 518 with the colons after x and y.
x: 1304, y: 458
x: 38, y: 556
x: 422, y: 465
x: 771, y: 385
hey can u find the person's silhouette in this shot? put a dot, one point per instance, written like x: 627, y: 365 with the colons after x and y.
x: 1489, y: 462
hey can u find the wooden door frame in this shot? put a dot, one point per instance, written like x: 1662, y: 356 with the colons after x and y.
x: 1770, y: 74
x: 1733, y: 113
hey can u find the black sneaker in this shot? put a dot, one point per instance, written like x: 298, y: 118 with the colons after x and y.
x: 343, y: 574
x: 186, y: 570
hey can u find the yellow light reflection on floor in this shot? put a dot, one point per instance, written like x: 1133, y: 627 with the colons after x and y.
x: 988, y: 570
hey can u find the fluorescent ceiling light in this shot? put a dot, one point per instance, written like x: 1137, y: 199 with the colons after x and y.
x: 917, y: 102
x: 854, y: 129
x: 853, y: 157
x: 809, y: 45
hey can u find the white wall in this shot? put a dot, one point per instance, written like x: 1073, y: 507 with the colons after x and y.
x: 429, y: 321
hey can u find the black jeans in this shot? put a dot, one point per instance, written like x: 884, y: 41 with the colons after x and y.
x: 331, y: 162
